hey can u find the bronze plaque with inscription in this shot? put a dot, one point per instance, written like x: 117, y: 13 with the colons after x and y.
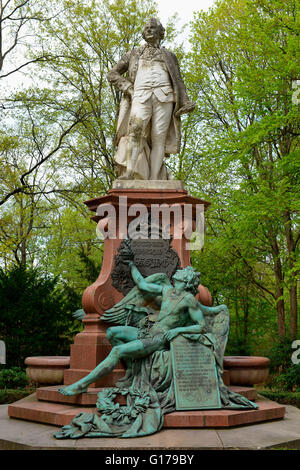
x: 195, y: 375
x: 149, y: 256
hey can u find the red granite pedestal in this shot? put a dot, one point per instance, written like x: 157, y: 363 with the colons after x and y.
x: 50, y: 407
x: 91, y: 345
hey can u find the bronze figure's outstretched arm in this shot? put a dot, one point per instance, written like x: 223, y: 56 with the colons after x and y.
x: 148, y: 287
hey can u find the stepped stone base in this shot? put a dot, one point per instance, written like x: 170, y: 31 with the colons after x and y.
x: 71, y: 376
x: 59, y: 410
x: 148, y: 184
x: 268, y: 410
x: 51, y: 394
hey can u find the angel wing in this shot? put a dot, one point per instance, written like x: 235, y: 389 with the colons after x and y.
x: 136, y: 303
x: 220, y: 330
x: 217, y: 321
x: 79, y: 314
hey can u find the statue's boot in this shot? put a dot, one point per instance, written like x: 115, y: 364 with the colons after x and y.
x: 132, y: 152
x: 157, y: 156
x: 128, y: 175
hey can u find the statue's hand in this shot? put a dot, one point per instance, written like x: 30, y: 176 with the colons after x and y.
x: 128, y: 261
x: 188, y: 107
x: 171, y: 334
x: 129, y: 92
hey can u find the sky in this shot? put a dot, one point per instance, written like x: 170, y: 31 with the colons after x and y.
x: 167, y: 8
x: 184, y: 8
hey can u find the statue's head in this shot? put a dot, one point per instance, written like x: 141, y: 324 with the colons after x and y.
x: 153, y: 29
x: 189, y: 278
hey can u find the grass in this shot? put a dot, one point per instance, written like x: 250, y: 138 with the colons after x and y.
x: 285, y: 398
x: 8, y: 395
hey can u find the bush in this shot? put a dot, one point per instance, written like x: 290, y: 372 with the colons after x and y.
x: 287, y: 380
x: 10, y: 396
x: 285, y: 375
x: 13, y: 378
x: 285, y: 398
x: 280, y: 354
x: 237, y: 347
x: 35, y: 314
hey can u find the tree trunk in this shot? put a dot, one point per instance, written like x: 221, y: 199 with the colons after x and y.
x: 294, y: 309
x: 279, y: 286
x: 280, y: 312
x: 291, y: 247
x: 1, y: 32
x: 246, y: 314
x: 23, y: 253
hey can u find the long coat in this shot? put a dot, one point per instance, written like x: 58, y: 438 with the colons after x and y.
x: 128, y: 65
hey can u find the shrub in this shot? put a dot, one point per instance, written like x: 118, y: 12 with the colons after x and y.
x: 280, y: 354
x: 288, y: 379
x: 35, y: 314
x: 286, y: 398
x: 13, y: 378
x: 285, y: 374
x: 237, y: 347
x: 10, y: 396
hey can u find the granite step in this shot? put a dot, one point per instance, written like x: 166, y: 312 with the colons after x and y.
x: 60, y: 414
x: 51, y: 394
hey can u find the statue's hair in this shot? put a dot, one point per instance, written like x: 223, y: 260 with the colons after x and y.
x: 159, y: 25
x: 191, y: 279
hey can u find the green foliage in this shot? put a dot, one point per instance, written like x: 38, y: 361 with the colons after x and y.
x: 237, y: 346
x: 243, y: 142
x: 12, y: 395
x: 286, y: 398
x: 240, y: 151
x: 280, y: 354
x: 82, y: 43
x: 57, y: 147
x: 35, y: 314
x: 90, y: 269
x: 71, y: 249
x: 288, y: 379
x: 13, y: 378
x: 285, y: 375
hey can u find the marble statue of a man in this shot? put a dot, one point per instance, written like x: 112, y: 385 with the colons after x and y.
x: 154, y: 97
